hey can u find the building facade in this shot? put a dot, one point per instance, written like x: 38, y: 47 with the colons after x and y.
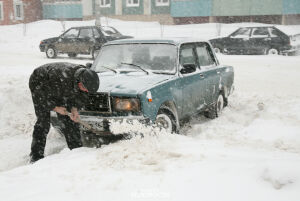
x: 177, y: 11
x: 229, y: 11
x: 142, y: 10
x: 20, y: 11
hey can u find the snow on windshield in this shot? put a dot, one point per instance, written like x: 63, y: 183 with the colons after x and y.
x: 154, y: 57
x: 107, y: 31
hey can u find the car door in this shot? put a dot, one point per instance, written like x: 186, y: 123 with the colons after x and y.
x: 278, y: 38
x: 85, y: 40
x: 236, y: 42
x: 209, y: 70
x: 259, y: 40
x: 66, y: 41
x: 193, y: 82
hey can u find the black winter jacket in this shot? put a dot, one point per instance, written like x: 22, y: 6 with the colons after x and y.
x: 54, y: 85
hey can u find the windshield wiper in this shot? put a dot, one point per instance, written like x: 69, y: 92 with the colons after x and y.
x: 140, y: 67
x: 165, y: 73
x: 115, y: 71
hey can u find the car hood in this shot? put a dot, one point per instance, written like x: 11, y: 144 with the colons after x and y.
x: 130, y: 83
x: 49, y: 40
x: 218, y: 38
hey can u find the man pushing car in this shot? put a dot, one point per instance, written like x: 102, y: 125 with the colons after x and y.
x: 60, y: 87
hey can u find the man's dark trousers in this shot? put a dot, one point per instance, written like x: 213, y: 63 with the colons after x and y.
x: 70, y: 129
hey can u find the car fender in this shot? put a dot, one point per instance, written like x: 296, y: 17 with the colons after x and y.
x: 160, y: 96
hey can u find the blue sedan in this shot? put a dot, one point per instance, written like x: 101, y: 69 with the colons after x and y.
x: 163, y: 81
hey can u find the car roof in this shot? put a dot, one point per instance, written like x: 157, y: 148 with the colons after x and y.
x: 258, y: 26
x: 173, y: 41
x: 88, y: 27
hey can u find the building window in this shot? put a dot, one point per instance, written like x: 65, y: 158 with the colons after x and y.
x: 132, y: 3
x: 105, y: 3
x: 162, y: 2
x: 1, y: 11
x: 18, y: 9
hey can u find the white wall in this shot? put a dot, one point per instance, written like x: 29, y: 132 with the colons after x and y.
x: 87, y: 7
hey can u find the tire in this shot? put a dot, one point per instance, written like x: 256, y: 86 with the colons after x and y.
x: 272, y: 51
x: 51, y: 52
x: 216, y: 109
x: 165, y: 119
x: 94, y: 53
x: 72, y: 55
x: 217, y: 50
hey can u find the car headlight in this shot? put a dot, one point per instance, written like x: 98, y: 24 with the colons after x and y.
x: 126, y: 104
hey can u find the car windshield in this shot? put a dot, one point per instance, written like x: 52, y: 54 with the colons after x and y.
x: 109, y: 31
x: 154, y: 58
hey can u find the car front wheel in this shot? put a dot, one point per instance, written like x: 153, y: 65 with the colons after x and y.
x: 166, y: 120
x: 51, y: 52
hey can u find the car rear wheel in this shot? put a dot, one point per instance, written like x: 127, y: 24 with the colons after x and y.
x: 217, y: 50
x: 51, y: 52
x: 216, y: 109
x: 273, y: 51
x: 165, y: 119
x: 72, y: 55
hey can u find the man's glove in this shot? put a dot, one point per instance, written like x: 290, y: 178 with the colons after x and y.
x: 74, y: 114
x: 61, y: 110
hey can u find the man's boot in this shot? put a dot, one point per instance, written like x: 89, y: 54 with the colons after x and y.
x: 35, y: 157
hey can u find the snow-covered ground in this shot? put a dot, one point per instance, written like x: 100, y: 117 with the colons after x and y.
x: 251, y: 152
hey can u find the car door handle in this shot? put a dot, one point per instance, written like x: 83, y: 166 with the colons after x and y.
x: 201, y: 75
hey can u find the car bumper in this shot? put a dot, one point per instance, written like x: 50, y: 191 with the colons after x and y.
x: 295, y: 50
x: 42, y: 48
x: 99, y: 125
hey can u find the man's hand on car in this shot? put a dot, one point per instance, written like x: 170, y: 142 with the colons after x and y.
x: 61, y: 110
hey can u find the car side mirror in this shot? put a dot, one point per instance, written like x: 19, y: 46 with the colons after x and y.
x: 188, y: 68
x: 88, y: 65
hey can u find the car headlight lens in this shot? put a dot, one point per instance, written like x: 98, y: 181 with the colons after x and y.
x: 126, y: 104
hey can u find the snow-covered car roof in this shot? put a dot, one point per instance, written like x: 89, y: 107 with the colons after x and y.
x: 289, y: 30
x: 174, y: 41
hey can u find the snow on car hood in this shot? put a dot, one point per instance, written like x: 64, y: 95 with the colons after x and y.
x: 131, y: 83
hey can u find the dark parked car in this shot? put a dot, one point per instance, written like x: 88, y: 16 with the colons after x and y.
x: 163, y: 81
x: 257, y: 40
x: 80, y: 40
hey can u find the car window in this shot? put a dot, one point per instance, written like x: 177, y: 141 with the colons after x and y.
x: 241, y: 33
x: 204, y: 57
x: 274, y: 32
x: 72, y: 33
x: 187, y: 55
x: 260, y: 32
x: 96, y: 33
x: 109, y: 31
x: 86, y: 33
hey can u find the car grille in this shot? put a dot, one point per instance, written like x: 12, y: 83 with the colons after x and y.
x: 99, y: 102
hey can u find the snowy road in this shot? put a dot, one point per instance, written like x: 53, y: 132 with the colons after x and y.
x: 251, y: 152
